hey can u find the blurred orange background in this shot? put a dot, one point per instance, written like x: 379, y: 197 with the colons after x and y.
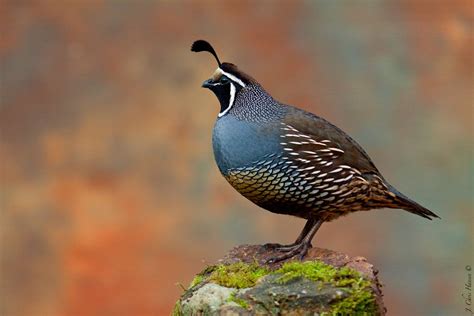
x: 110, y: 194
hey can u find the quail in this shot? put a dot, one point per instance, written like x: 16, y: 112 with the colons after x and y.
x: 289, y: 161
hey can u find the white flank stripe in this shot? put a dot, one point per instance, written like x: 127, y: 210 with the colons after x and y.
x: 317, y: 143
x: 345, y: 166
x: 344, y: 179
x: 336, y: 149
x: 303, y: 160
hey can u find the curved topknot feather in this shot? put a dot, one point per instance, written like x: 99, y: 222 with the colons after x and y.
x: 203, y: 46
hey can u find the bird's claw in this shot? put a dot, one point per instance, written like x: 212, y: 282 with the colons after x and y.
x: 298, y: 250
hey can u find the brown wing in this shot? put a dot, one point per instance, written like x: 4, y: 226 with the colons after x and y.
x: 327, y: 140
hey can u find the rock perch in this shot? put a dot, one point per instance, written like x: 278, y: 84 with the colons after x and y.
x: 324, y: 283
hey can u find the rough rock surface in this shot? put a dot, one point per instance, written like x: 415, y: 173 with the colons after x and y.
x: 269, y: 295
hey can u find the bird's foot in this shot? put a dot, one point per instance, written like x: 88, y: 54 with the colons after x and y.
x: 277, y: 247
x: 297, y: 250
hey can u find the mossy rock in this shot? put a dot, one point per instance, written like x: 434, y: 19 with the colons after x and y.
x: 295, y: 288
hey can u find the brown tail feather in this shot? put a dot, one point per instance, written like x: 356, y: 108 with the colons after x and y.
x: 411, y: 206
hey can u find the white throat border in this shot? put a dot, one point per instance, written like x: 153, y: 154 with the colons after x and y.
x: 233, y: 90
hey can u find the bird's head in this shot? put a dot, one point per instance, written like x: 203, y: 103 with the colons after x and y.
x: 226, y: 82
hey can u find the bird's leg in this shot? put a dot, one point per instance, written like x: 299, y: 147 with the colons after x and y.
x: 309, y: 223
x: 300, y: 249
x: 306, y: 229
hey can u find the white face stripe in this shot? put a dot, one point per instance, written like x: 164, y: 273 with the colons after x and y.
x: 232, y: 77
x: 231, y: 100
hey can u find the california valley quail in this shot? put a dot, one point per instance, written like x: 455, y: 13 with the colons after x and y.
x: 289, y: 161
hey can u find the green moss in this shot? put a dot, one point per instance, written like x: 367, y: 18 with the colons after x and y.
x: 177, y: 309
x: 202, y: 276
x: 238, y: 275
x: 197, y: 280
x: 360, y: 302
x: 241, y: 302
x: 360, y: 299
x: 312, y: 270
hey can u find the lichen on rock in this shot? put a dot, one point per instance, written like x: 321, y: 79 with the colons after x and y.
x: 295, y: 287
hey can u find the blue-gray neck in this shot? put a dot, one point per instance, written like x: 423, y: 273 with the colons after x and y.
x: 247, y: 132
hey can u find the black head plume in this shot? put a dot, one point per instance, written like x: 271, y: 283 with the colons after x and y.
x: 203, y: 46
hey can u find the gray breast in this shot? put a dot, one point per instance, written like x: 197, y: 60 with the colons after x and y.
x: 238, y: 143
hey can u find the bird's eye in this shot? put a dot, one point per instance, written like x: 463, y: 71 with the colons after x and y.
x: 224, y: 79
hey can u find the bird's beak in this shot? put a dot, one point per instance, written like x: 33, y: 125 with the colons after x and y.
x: 207, y: 84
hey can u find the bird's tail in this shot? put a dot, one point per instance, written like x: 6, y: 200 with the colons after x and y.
x: 409, y: 205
